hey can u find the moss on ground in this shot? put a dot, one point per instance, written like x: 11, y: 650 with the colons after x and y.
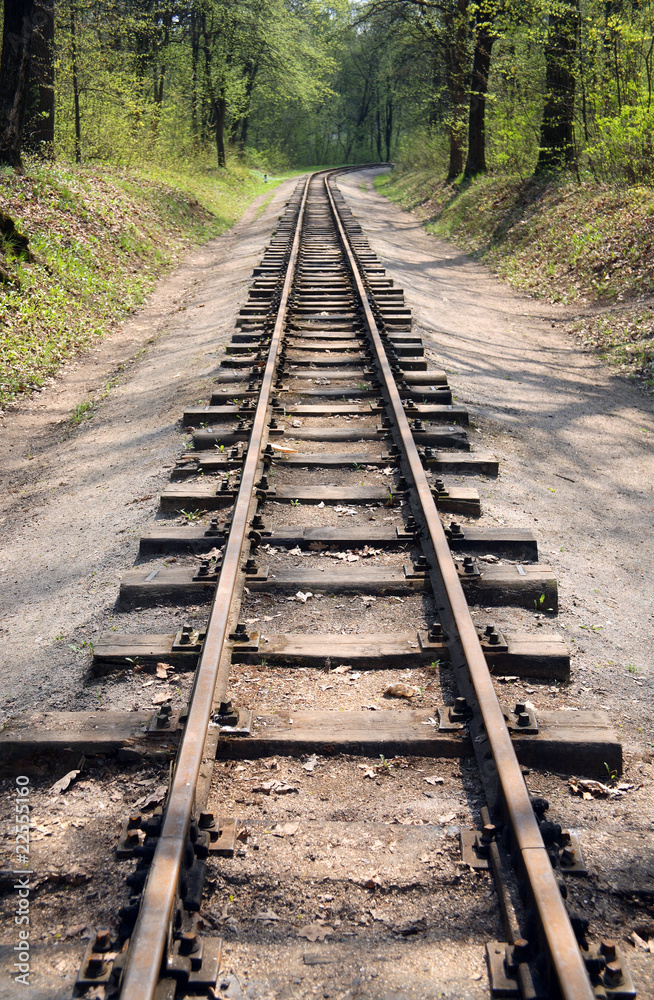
x: 563, y: 241
x: 99, y: 237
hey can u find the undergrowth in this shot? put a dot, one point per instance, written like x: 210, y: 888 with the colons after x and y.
x: 564, y: 241
x: 99, y: 236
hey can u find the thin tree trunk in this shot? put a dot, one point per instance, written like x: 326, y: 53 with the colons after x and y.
x: 195, y: 58
x: 481, y: 60
x: 455, y: 62
x: 388, y: 129
x: 14, y: 77
x: 220, y: 111
x: 557, y: 127
x: 40, y: 116
x: 73, y: 56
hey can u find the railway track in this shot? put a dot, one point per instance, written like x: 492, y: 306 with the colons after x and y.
x: 324, y: 513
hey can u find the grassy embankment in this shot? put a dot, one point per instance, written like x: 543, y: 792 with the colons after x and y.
x: 99, y: 236
x: 586, y: 245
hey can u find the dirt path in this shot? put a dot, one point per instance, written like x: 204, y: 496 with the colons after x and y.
x: 72, y: 506
x: 575, y: 444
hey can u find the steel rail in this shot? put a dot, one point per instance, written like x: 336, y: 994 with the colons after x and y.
x: 565, y: 955
x: 150, y: 937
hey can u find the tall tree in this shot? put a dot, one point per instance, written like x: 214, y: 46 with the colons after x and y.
x: 485, y: 37
x: 557, y: 147
x: 14, y: 79
x: 40, y: 115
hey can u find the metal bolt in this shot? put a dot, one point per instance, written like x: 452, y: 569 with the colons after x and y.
x: 523, y: 719
x: 95, y: 967
x: 607, y: 948
x: 134, y: 821
x: 613, y: 974
x: 488, y: 832
x: 103, y: 939
x: 188, y: 943
x: 468, y: 564
x: 455, y: 528
x: 521, y: 949
x: 493, y: 639
x: 131, y: 838
x: 460, y: 704
x: 519, y: 707
x: 568, y: 857
x: 435, y: 632
x: 206, y: 820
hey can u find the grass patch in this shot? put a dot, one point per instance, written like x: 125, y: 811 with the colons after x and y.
x: 563, y: 241
x: 99, y: 235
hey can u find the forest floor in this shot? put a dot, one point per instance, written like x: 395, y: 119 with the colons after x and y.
x: 574, y: 442
x: 98, y: 236
x: 587, y: 245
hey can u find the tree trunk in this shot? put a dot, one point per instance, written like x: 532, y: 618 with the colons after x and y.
x: 252, y: 70
x: 388, y: 127
x: 455, y: 68
x: 556, y: 132
x: 481, y: 60
x: 40, y: 114
x: 14, y: 76
x: 73, y: 57
x: 195, y: 58
x: 220, y: 110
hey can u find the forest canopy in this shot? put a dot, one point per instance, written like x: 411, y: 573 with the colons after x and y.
x: 466, y: 85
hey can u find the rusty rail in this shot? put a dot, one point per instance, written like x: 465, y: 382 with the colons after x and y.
x: 148, y: 943
x: 565, y: 955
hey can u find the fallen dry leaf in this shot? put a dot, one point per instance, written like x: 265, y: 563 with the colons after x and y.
x: 162, y: 671
x: 155, y: 798
x: 285, y: 829
x: 65, y: 782
x: 400, y: 690
x: 300, y: 597
x: 589, y: 789
x: 274, y: 786
x: 315, y: 932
